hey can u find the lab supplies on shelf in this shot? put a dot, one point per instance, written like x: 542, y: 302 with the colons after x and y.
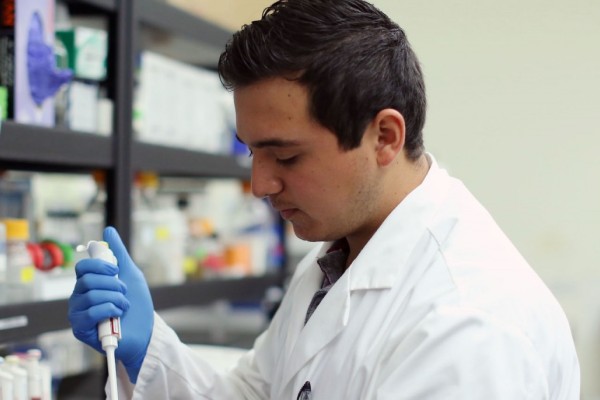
x: 28, y: 67
x: 61, y: 150
x: 20, y: 270
x: 183, y: 106
x: 35, y: 270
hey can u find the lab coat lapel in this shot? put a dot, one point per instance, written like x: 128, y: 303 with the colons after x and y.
x: 329, y: 319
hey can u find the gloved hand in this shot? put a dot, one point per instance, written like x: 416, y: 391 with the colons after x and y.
x: 98, y: 296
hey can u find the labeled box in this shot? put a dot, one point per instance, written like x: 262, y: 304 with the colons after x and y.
x: 86, y: 50
x: 27, y: 64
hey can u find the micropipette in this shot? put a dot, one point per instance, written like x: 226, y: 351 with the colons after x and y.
x: 109, y: 330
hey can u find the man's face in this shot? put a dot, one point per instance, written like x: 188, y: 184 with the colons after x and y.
x: 325, y: 192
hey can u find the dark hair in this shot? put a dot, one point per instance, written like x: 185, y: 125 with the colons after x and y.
x: 353, y: 59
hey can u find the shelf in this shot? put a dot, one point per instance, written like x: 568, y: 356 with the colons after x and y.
x: 206, y: 292
x: 24, y: 321
x: 106, y: 5
x: 175, y: 21
x: 172, y: 161
x: 34, y: 147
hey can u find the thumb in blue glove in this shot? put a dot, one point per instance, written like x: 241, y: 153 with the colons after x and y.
x: 98, y: 296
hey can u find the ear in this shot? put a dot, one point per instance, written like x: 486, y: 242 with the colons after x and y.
x: 390, y: 130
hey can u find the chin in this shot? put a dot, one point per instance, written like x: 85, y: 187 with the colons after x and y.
x: 307, y: 238
x: 312, y: 235
x: 305, y: 234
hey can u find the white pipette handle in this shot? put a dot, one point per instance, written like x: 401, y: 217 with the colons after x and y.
x: 109, y: 330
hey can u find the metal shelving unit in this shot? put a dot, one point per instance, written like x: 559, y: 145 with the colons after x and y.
x: 105, y: 5
x: 170, y: 19
x: 179, y: 162
x: 26, y: 320
x: 26, y: 147
x: 38, y: 148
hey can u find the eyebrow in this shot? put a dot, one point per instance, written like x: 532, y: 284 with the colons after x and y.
x: 270, y: 143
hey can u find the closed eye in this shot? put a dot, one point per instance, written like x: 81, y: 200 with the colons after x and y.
x: 287, y: 161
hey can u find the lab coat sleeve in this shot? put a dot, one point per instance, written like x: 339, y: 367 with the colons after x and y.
x: 456, y: 353
x: 172, y: 370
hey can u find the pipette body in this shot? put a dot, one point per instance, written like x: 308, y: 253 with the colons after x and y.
x: 109, y: 330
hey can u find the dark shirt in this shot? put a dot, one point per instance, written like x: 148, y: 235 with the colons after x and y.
x: 333, y: 265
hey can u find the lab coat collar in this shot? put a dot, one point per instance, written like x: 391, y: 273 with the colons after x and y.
x: 383, y: 259
x: 381, y: 263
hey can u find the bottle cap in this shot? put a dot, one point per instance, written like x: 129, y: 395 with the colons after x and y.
x: 16, y: 229
x: 147, y: 179
x: 98, y: 249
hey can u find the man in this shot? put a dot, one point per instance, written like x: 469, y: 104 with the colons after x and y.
x: 414, y: 294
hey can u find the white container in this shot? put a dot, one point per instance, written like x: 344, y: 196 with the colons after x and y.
x: 159, y: 233
x: 20, y: 270
x: 11, y: 365
x: 2, y: 263
x: 6, y: 385
x: 35, y: 375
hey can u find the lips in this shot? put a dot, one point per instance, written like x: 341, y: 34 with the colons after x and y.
x: 288, y: 213
x: 284, y: 210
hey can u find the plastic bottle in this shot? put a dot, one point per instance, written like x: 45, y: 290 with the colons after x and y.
x: 144, y: 217
x: 11, y: 364
x: 2, y: 263
x: 35, y: 379
x: 6, y: 385
x: 92, y: 220
x: 159, y: 232
x: 20, y: 269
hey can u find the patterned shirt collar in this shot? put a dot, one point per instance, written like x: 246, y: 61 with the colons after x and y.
x: 333, y: 263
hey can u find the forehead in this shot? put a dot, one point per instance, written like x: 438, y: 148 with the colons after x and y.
x: 273, y: 108
x: 271, y: 91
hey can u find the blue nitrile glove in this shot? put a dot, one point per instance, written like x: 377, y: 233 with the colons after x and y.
x: 44, y: 78
x: 98, y: 296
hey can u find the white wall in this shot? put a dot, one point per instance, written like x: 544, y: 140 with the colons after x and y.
x: 514, y: 111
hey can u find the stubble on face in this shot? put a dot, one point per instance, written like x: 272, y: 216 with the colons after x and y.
x: 346, y: 208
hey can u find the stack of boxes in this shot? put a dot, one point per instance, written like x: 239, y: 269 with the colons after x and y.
x: 83, y: 50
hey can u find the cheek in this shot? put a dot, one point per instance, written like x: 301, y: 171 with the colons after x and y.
x: 310, y: 186
x: 328, y: 189
x: 326, y: 184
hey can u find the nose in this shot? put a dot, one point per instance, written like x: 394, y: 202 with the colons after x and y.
x: 264, y: 181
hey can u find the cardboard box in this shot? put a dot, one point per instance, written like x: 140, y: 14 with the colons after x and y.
x: 86, y: 50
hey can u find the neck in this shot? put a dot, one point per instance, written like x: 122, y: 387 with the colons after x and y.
x: 410, y: 174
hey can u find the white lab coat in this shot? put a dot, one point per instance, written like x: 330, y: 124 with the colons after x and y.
x: 438, y: 305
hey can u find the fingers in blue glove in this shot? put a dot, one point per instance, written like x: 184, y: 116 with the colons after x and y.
x: 97, y: 295
x: 99, y: 282
x: 87, y: 319
x: 81, y: 302
x: 86, y: 311
x: 96, y: 266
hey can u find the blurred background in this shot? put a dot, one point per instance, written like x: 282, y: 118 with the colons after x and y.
x: 514, y: 112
